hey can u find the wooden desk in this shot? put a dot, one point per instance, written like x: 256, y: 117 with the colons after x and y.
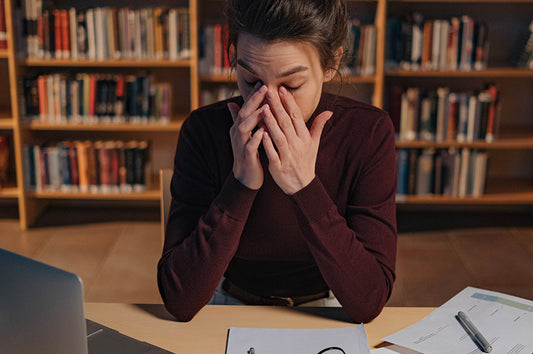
x: 207, y: 332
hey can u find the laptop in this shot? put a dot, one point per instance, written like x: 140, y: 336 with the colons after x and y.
x: 41, y: 311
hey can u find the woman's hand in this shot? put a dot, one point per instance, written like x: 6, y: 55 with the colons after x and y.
x: 290, y: 147
x: 247, y: 167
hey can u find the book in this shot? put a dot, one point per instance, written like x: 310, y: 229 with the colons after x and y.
x: 4, y: 158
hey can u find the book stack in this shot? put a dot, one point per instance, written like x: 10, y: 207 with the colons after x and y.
x: 362, y: 40
x: 95, y: 99
x: 441, y: 115
x: 213, y: 58
x: 220, y: 93
x: 86, y: 166
x: 104, y: 33
x: 4, y: 159
x: 446, y: 172
x: 459, y: 43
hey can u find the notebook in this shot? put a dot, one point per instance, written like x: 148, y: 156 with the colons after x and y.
x: 41, y: 311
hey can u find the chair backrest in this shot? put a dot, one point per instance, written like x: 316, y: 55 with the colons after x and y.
x: 165, y: 175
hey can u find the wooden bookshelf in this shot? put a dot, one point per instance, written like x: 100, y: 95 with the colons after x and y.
x: 108, y: 63
x: 172, y: 127
x: 514, y: 137
x: 151, y: 194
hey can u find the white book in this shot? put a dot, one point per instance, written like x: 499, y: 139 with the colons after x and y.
x: 442, y: 113
x: 173, y: 34
x: 91, y: 35
x: 122, y: 32
x: 75, y: 97
x: 73, y: 25
x: 150, y: 34
x: 417, y: 43
x: 413, y: 97
x: 50, y: 93
x: 473, y: 110
x: 99, y: 32
x: 38, y: 167
x: 435, y: 57
x: 479, y: 175
x: 138, y: 42
x: 463, y: 172
x: 467, y: 47
x: 404, y: 113
x: 443, y: 52
x: 54, y: 182
x: 371, y: 50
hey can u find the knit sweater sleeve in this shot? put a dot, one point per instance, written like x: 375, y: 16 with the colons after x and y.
x: 356, y: 252
x: 204, y: 226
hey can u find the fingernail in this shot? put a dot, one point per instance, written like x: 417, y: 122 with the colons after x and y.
x: 282, y: 90
x: 263, y: 89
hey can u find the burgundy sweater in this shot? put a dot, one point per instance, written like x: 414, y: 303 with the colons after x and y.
x: 337, y: 233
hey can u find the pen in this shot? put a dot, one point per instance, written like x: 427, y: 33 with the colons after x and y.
x: 473, y: 332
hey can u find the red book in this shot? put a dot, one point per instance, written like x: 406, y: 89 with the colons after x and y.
x: 3, y: 31
x: 65, y: 34
x: 57, y: 34
x: 73, y: 156
x: 217, y: 38
x: 92, y: 94
x: 43, y: 97
x: 225, y: 43
x: 104, y: 160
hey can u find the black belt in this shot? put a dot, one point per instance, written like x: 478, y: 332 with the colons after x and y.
x: 252, y: 299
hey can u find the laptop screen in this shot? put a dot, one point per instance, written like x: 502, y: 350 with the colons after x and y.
x: 41, y: 308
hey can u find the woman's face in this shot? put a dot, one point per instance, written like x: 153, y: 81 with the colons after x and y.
x: 290, y: 64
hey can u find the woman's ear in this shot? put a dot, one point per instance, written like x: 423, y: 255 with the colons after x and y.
x: 332, y: 69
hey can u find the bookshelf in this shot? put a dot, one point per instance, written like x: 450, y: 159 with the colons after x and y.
x: 510, y: 172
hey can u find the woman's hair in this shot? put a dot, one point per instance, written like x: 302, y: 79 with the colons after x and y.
x: 322, y: 23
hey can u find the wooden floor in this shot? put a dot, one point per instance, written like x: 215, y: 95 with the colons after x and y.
x: 117, y: 258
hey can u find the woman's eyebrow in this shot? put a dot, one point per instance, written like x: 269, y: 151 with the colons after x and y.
x: 289, y: 72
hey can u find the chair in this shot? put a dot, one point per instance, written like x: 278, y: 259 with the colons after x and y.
x: 165, y: 175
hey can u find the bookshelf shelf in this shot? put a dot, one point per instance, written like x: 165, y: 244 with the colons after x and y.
x: 9, y: 193
x: 498, y: 144
x: 4, y: 54
x: 6, y: 123
x: 488, y: 73
x: 172, y: 127
x: 152, y: 194
x: 108, y: 63
x: 500, y: 191
x: 218, y: 78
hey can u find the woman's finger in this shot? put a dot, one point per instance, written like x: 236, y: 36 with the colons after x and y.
x: 281, y: 115
x: 294, y: 111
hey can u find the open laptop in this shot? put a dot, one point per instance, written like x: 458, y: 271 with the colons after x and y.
x: 41, y: 311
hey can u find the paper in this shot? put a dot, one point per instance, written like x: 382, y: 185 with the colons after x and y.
x: 348, y: 340
x: 506, y: 322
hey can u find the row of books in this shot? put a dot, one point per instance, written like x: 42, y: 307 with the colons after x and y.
x: 442, y: 115
x: 86, y: 166
x: 219, y: 93
x: 213, y: 58
x: 459, y: 43
x: 447, y: 172
x: 104, y: 33
x: 362, y: 40
x: 3, y: 28
x: 95, y: 98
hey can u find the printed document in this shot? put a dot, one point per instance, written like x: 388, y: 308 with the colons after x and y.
x: 347, y: 340
x: 505, y: 321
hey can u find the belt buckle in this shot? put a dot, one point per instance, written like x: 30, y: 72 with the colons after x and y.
x: 289, y: 301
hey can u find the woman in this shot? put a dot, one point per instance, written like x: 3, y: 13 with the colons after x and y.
x: 288, y: 192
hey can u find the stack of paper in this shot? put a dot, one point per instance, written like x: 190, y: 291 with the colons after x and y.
x: 505, y: 321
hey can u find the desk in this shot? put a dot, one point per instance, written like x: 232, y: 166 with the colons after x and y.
x: 207, y: 332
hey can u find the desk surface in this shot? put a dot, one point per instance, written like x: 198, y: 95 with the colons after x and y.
x: 207, y: 332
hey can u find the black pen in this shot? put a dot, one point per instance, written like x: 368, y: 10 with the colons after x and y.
x: 473, y: 332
